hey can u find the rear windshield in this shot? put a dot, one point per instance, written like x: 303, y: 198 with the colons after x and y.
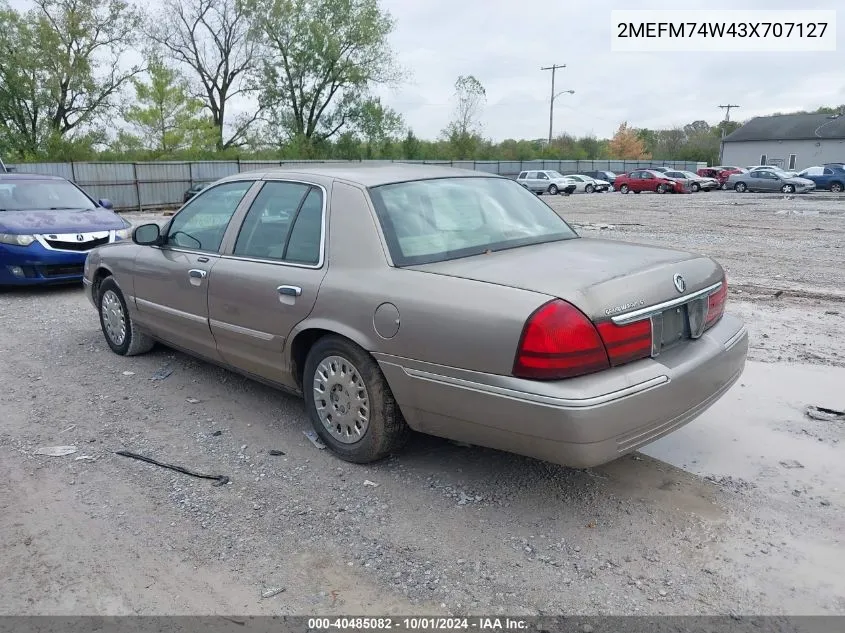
x: 427, y: 221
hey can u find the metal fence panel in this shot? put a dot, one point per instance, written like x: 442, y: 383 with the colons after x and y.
x: 162, y: 184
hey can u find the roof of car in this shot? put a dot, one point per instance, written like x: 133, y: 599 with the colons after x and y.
x: 368, y: 175
x: 24, y: 176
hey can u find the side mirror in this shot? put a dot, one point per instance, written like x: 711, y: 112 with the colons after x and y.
x: 147, y: 235
x: 105, y: 203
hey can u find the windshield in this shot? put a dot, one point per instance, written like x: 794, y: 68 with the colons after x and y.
x: 554, y: 174
x: 436, y: 220
x: 31, y: 195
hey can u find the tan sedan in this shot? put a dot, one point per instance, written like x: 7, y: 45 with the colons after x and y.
x: 450, y: 302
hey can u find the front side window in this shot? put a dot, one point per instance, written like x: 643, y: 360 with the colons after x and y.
x: 542, y: 175
x: 436, y: 220
x: 201, y: 223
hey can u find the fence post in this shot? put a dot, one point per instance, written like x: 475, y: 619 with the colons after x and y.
x: 137, y: 185
x: 72, y: 171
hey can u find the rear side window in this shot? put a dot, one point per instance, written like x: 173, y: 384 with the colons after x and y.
x: 447, y: 218
x: 285, y: 224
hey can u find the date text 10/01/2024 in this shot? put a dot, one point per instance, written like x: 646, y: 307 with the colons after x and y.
x: 417, y: 624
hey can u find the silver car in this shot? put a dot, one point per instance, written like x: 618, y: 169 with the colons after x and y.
x: 450, y: 302
x: 769, y: 180
x: 546, y: 181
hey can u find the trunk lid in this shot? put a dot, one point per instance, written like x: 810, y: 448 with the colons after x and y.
x: 602, y: 278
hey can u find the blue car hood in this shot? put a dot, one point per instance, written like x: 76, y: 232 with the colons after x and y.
x: 59, y: 221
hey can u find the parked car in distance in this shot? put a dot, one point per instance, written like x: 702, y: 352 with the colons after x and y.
x: 831, y: 177
x: 607, y: 176
x: 193, y: 190
x: 660, y: 170
x: 769, y: 180
x: 577, y: 368
x: 649, y: 180
x: 585, y: 184
x: 696, y: 182
x: 47, y: 227
x: 546, y: 181
x: 774, y: 168
x: 720, y: 173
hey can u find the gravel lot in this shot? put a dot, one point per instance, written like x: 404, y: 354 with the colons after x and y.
x: 440, y: 528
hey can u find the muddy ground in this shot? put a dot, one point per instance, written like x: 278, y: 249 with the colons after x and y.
x: 739, y: 512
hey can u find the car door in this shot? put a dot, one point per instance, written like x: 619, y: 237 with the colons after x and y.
x: 171, y: 280
x: 531, y: 180
x: 267, y: 281
x: 542, y: 181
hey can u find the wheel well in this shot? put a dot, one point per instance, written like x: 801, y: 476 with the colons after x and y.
x: 836, y: 182
x: 101, y: 275
x: 299, y: 349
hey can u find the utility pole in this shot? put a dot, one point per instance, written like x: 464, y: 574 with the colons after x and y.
x: 553, y: 68
x: 727, y: 109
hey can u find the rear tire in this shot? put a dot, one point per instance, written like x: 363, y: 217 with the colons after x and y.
x: 122, y: 335
x: 350, y: 403
x: 624, y: 189
x: 836, y: 187
x: 740, y: 187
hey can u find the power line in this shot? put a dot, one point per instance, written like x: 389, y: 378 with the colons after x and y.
x: 553, y: 68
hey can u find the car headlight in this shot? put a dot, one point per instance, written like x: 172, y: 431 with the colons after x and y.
x: 123, y: 234
x: 17, y: 240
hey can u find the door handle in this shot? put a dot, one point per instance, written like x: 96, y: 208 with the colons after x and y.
x: 290, y: 291
x: 196, y: 273
x: 202, y: 259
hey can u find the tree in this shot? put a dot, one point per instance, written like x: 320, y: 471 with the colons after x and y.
x: 321, y: 58
x: 165, y: 115
x: 63, y: 67
x: 378, y: 124
x: 411, y: 147
x: 670, y: 142
x: 464, y: 131
x: 212, y: 38
x: 626, y: 145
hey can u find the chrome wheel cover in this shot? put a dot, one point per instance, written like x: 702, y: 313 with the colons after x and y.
x: 341, y: 399
x: 114, y: 319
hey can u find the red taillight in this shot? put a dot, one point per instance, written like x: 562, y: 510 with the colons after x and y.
x: 625, y: 343
x: 716, y: 304
x: 559, y: 341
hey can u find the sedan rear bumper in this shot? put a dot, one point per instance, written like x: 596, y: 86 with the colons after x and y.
x: 580, y: 422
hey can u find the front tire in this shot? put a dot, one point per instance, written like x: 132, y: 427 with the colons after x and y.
x: 350, y: 403
x: 788, y: 189
x: 695, y: 187
x: 553, y: 190
x: 589, y: 189
x: 119, y: 330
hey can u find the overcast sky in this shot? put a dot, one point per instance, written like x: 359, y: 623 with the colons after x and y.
x: 504, y: 43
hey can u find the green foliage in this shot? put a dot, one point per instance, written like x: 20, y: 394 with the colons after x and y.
x: 166, y: 118
x: 62, y: 71
x: 321, y: 59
